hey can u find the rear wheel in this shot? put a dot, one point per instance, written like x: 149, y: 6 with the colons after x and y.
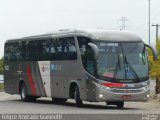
x: 23, y: 93
x: 32, y: 98
x: 77, y: 97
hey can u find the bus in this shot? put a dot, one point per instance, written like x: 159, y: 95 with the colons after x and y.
x: 84, y: 65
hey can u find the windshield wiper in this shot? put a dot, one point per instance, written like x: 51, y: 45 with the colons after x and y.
x: 131, y: 68
x: 118, y: 66
x: 143, y: 55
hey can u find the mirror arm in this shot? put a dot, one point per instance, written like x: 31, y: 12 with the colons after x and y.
x: 154, y: 51
x: 95, y: 50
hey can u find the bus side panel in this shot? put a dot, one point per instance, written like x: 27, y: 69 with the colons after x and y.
x: 28, y: 72
x: 62, y: 73
x: 91, y: 88
x: 43, y: 78
x: 31, y: 78
x: 11, y: 80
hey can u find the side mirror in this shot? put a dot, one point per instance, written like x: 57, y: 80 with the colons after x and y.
x: 154, y: 51
x: 95, y: 50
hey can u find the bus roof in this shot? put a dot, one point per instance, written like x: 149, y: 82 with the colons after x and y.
x: 98, y: 34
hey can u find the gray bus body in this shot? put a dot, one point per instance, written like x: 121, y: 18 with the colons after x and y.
x: 51, y: 65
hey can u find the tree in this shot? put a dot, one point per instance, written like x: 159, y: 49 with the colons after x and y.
x: 155, y: 66
x: 1, y: 66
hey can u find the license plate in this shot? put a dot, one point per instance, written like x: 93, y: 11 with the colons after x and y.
x: 126, y: 97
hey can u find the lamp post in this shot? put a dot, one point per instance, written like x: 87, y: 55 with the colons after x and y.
x: 149, y: 20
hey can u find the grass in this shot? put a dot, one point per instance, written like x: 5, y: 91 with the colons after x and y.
x: 1, y: 86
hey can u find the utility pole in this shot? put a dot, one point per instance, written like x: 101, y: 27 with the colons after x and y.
x: 123, y: 23
x: 149, y: 26
x: 157, y: 80
x: 157, y: 26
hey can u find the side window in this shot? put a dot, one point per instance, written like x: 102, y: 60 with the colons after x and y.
x: 56, y: 50
x: 68, y: 49
x: 12, y: 51
x: 86, y: 54
x: 39, y: 50
x: 17, y: 51
x: 27, y: 56
x: 21, y: 51
x: 83, y: 47
x: 9, y: 51
x: 90, y: 60
x: 33, y: 50
x: 43, y: 50
x: 63, y: 49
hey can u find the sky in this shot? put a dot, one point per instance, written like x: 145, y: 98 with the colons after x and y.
x: 20, y: 18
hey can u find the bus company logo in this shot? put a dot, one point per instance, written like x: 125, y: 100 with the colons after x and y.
x: 52, y: 67
x: 127, y: 91
x: 45, y: 68
x: 56, y: 67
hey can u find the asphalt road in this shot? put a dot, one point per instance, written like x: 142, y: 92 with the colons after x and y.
x: 132, y: 110
x: 12, y: 104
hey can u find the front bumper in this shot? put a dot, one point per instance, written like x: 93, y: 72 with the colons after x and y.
x: 104, y: 94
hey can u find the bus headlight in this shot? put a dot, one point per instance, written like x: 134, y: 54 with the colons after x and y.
x: 100, y: 95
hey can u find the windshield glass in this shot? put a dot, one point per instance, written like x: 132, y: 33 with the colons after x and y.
x: 122, y: 61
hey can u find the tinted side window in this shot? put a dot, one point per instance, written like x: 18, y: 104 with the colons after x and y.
x: 33, y: 52
x: 22, y: 50
x: 12, y: 51
x: 9, y: 52
x: 44, y: 50
x: 83, y: 45
x: 56, y: 49
x: 39, y: 50
x: 86, y: 54
x: 63, y: 49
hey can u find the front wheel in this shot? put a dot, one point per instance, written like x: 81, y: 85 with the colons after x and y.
x: 119, y: 104
x: 58, y: 100
x: 77, y: 97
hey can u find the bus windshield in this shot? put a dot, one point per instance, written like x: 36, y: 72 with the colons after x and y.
x: 122, y: 61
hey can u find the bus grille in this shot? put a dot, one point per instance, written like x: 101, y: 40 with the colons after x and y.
x: 126, y: 90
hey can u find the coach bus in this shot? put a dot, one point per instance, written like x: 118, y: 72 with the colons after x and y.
x: 85, y: 65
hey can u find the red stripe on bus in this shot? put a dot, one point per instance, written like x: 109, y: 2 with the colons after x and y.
x: 31, y: 84
x: 113, y: 84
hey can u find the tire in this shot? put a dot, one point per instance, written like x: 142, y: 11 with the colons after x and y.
x: 23, y: 93
x: 32, y: 98
x: 77, y: 97
x: 120, y: 104
x: 58, y: 100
